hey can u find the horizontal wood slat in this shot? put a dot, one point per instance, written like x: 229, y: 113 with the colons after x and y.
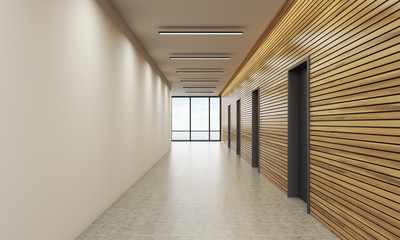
x: 354, y: 51
x: 366, y: 202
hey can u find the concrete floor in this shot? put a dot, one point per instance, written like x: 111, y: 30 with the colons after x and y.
x: 201, y: 190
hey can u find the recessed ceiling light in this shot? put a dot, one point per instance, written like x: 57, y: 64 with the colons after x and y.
x: 200, y: 58
x: 199, y: 81
x: 199, y: 87
x: 200, y: 33
x: 199, y: 72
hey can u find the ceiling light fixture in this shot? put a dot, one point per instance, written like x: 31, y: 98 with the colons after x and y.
x: 202, y: 78
x: 199, y: 81
x: 200, y: 58
x: 199, y: 87
x: 200, y: 33
x: 199, y: 72
x: 199, y: 92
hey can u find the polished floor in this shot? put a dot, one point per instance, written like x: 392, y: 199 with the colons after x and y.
x: 202, y: 190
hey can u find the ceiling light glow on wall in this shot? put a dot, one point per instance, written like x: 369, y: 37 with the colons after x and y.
x: 200, y: 33
x: 199, y: 72
x: 200, y: 58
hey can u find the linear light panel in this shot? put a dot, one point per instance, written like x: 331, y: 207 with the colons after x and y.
x: 199, y: 87
x: 200, y: 32
x: 202, y: 78
x: 199, y: 72
x: 200, y: 58
x: 199, y: 81
x: 199, y: 92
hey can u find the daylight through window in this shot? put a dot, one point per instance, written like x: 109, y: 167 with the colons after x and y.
x: 196, y: 119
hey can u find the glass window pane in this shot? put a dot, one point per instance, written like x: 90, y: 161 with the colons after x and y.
x: 180, y: 114
x: 200, y: 114
x: 214, y: 114
x: 200, y: 136
x: 214, y: 136
x: 180, y: 136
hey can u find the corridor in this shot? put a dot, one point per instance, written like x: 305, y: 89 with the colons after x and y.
x: 201, y: 190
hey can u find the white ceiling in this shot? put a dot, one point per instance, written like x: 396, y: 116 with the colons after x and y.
x: 147, y: 17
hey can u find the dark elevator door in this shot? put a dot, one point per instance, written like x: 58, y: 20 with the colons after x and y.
x: 302, y: 118
x: 255, y: 129
x: 238, y: 127
x: 298, y: 132
x: 229, y: 126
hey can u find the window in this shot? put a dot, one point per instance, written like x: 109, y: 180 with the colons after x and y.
x: 196, y: 119
x: 180, y: 119
x: 214, y: 119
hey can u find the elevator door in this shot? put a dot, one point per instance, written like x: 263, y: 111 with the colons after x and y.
x: 229, y: 126
x: 255, y: 128
x: 238, y: 127
x: 298, y: 132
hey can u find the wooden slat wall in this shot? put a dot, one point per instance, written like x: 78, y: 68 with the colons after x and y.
x: 354, y: 49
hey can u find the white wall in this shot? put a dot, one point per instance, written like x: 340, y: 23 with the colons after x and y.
x: 83, y: 115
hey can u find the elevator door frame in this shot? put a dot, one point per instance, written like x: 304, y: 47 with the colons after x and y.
x: 229, y: 126
x: 255, y: 140
x: 238, y: 126
x: 291, y: 170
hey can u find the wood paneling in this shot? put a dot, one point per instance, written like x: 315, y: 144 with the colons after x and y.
x: 354, y: 50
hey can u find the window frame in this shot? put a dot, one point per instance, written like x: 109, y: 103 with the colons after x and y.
x: 190, y: 120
